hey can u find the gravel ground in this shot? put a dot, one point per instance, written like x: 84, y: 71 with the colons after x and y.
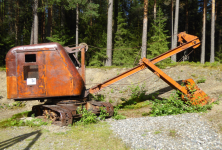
x: 186, y: 131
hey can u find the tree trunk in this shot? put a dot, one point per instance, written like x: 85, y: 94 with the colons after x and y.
x: 202, y: 59
x: 144, y: 37
x: 186, y: 29
x: 2, y: 14
x: 16, y: 22
x: 35, y: 34
x: 187, y: 17
x: 62, y: 18
x: 49, y: 26
x: 219, y: 44
x: 171, y: 24
x: 43, y: 24
x: 212, y: 32
x: 77, y: 28
x: 174, y: 57
x: 154, y: 11
x: 32, y: 29
x: 109, y: 34
x: 116, y: 4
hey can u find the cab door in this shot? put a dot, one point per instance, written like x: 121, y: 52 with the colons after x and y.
x: 31, y: 74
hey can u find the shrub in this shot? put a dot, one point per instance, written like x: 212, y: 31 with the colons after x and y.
x: 87, y: 117
x: 175, y: 105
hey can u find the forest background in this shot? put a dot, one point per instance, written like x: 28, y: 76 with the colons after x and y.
x: 70, y: 22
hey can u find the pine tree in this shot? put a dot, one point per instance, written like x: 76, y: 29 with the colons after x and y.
x: 158, y: 41
x: 122, y: 56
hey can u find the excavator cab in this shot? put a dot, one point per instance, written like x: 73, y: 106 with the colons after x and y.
x: 42, y: 71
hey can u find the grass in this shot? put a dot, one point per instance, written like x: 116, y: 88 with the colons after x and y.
x: 163, y: 65
x: 14, y: 105
x: 137, y: 105
x: 157, y: 132
x: 95, y: 136
x: 215, y: 65
x: 201, y: 80
x: 15, y: 120
x: 172, y: 133
x: 2, y: 69
x: 110, y: 67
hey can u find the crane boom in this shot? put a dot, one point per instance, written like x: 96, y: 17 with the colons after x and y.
x: 191, y: 41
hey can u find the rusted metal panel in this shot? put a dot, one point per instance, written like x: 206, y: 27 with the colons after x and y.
x: 11, y: 87
x: 83, y: 64
x: 30, y: 70
x: 50, y: 67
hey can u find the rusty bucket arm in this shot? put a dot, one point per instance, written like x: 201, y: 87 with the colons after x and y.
x: 191, y: 41
x: 190, y: 92
x: 195, y: 95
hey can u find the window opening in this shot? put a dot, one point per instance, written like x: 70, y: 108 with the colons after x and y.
x: 30, y: 57
x: 31, y: 72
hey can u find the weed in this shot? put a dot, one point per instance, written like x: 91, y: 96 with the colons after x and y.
x: 15, y: 120
x: 220, y: 127
x: 14, y: 105
x: 137, y: 95
x: 110, y: 101
x: 2, y: 69
x: 112, y: 91
x: 175, y: 105
x: 87, y: 117
x: 98, y: 97
x: 18, y: 104
x: 202, y: 80
x: 116, y: 115
x: 143, y: 134
x: 157, y: 132
x: 172, y: 133
x: 145, y: 114
x: 193, y: 75
x: 103, y: 113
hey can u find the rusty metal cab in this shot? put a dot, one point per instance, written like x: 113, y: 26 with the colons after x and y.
x: 42, y: 71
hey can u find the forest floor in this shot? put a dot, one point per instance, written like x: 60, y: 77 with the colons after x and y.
x: 52, y: 135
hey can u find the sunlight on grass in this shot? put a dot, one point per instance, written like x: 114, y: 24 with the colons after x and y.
x: 95, y: 136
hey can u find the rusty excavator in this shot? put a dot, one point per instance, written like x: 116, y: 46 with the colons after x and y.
x: 50, y: 71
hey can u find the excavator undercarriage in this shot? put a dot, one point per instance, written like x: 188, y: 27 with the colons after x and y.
x: 50, y: 71
x: 63, y: 112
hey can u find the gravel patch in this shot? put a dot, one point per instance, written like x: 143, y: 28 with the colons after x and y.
x: 186, y: 131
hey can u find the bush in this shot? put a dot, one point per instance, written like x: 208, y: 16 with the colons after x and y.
x: 116, y: 115
x: 87, y: 117
x: 175, y: 105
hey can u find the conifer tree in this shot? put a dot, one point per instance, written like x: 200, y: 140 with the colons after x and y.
x: 158, y: 43
x: 122, y: 56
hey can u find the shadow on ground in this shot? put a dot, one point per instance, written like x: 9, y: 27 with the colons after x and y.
x: 10, y: 142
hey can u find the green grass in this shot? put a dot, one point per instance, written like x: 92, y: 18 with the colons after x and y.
x: 14, y: 105
x: 172, y: 133
x: 95, y: 136
x: 201, y: 80
x: 2, y: 69
x: 15, y: 120
x: 110, y: 67
x: 214, y: 65
x: 157, y: 132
